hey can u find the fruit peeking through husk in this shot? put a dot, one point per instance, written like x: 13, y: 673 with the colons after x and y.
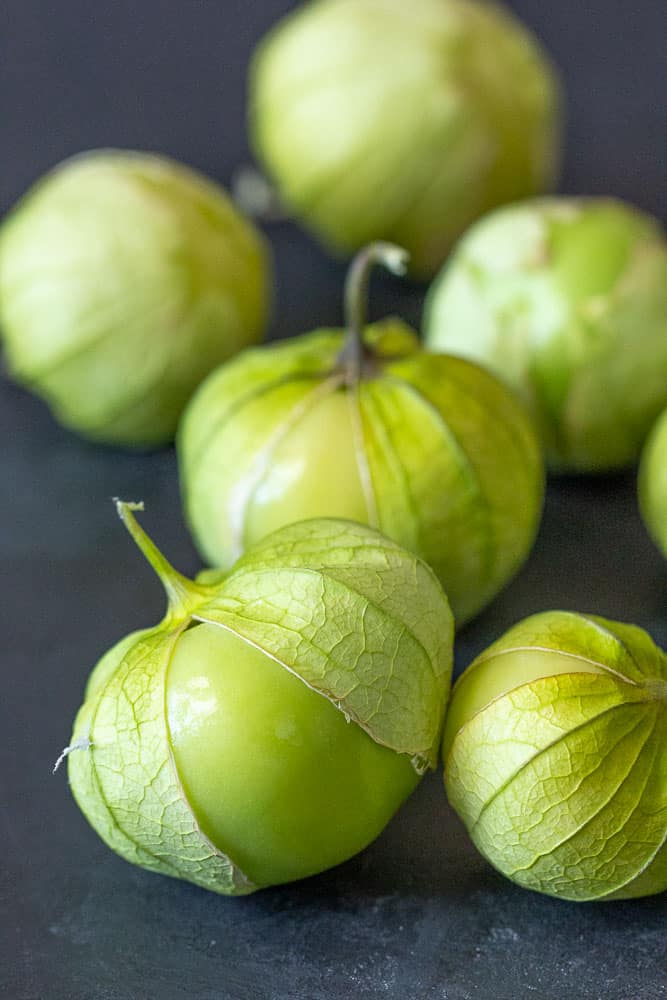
x: 555, y: 756
x: 381, y: 119
x: 125, y: 278
x: 431, y: 450
x: 653, y: 483
x: 272, y: 723
x: 566, y: 299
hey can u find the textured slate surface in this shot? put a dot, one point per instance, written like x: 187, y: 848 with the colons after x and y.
x: 419, y: 914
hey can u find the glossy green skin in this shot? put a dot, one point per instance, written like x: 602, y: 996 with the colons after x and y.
x: 432, y: 451
x: 566, y: 299
x: 555, y: 756
x: 334, y: 88
x: 124, y: 279
x: 276, y: 776
x: 653, y: 483
x: 313, y: 471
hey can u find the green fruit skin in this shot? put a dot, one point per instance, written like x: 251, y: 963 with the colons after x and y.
x: 566, y: 299
x: 124, y: 279
x: 432, y: 451
x: 555, y: 757
x: 653, y: 483
x: 334, y: 90
x: 295, y: 788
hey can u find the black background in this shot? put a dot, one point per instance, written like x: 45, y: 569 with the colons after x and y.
x: 419, y: 914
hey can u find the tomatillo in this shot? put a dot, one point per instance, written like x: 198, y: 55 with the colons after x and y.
x: 566, y: 299
x: 381, y: 119
x: 125, y: 278
x: 433, y: 451
x: 653, y: 483
x: 555, y: 754
x: 272, y: 723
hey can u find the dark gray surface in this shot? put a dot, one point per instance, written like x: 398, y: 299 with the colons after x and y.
x: 419, y: 914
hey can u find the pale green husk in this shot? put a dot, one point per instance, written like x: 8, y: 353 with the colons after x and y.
x: 454, y: 470
x: 562, y: 781
x: 381, y: 119
x: 124, y: 279
x: 566, y: 299
x: 653, y: 483
x: 359, y: 619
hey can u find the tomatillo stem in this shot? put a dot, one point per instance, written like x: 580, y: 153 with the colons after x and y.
x: 179, y: 589
x: 256, y: 196
x: 395, y: 259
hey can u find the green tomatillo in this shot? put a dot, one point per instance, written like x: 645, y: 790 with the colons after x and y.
x: 653, y: 483
x: 566, y: 299
x: 555, y: 754
x: 124, y: 279
x: 431, y: 450
x: 272, y: 723
x: 381, y: 119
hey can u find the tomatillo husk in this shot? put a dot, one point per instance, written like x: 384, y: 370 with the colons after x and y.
x: 125, y: 278
x: 381, y: 119
x: 361, y: 423
x: 555, y: 756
